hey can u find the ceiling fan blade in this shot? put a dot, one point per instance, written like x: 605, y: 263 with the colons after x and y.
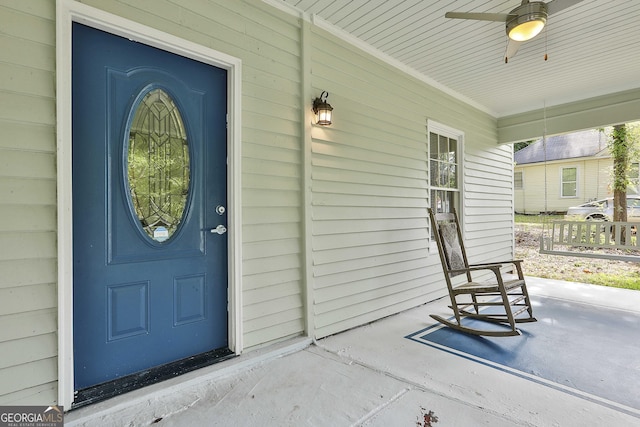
x: 557, y: 5
x: 512, y: 49
x: 500, y: 17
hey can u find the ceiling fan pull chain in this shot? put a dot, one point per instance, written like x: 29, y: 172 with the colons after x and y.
x: 545, y: 44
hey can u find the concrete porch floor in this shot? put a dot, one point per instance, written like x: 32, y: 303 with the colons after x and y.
x: 372, y: 376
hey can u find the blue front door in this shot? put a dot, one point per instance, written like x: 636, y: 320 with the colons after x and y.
x: 149, y: 195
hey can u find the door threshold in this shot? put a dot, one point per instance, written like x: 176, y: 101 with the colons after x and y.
x: 147, y: 377
x: 143, y: 406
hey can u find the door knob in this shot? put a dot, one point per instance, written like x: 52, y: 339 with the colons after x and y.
x: 220, y: 229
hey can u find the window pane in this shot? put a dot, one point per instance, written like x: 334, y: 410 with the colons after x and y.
x: 569, y: 174
x: 453, y: 150
x: 517, y: 180
x: 443, y: 148
x: 433, y: 173
x: 443, y: 172
x: 443, y: 175
x: 569, y: 189
x: 453, y: 177
x: 433, y: 145
x: 442, y: 201
x: 158, y: 165
x: 443, y: 166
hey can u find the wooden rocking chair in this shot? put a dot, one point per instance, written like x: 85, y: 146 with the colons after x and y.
x: 501, y: 300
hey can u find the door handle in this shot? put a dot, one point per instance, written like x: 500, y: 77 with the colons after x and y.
x: 220, y: 229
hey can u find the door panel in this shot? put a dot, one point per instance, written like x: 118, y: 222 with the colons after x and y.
x: 149, y: 288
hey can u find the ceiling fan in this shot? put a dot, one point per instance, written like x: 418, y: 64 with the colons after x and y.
x: 522, y: 23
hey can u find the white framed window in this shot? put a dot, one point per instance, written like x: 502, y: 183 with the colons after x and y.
x: 445, y: 167
x: 569, y: 182
x: 518, y: 180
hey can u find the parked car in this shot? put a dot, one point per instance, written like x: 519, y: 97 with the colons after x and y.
x: 602, y: 210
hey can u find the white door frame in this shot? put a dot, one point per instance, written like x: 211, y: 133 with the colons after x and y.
x: 67, y: 12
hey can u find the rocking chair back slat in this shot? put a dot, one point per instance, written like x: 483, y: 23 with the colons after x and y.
x: 455, y: 256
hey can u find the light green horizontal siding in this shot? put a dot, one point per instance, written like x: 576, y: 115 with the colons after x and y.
x: 28, y: 137
x: 488, y: 200
x: 370, y: 191
x: 27, y: 192
x: 28, y: 298
x: 36, y: 375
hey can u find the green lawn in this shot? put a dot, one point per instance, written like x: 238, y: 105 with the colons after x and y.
x: 536, y: 219
x: 616, y: 281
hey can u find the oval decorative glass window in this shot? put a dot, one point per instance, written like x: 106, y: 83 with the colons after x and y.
x: 158, y: 165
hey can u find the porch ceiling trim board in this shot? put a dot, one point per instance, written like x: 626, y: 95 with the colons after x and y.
x: 620, y: 107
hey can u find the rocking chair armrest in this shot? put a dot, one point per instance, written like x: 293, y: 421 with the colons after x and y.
x: 494, y: 267
x: 516, y: 262
x: 512, y: 261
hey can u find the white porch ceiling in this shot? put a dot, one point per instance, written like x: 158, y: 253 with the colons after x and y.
x: 593, y: 48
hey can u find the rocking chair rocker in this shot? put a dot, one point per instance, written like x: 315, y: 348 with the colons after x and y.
x: 501, y: 300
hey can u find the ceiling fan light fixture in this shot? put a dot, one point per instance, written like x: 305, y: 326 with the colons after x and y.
x: 529, y: 20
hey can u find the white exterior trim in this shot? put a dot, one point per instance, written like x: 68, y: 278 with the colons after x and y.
x: 307, y: 168
x: 67, y: 12
x: 449, y: 132
x: 561, y: 181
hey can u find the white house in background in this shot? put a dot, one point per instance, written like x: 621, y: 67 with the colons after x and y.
x: 568, y: 170
x: 267, y: 226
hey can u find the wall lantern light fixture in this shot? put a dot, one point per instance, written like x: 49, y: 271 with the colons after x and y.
x: 322, y: 109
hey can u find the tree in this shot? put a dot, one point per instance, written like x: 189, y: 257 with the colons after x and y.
x: 522, y: 144
x: 623, y: 145
x: 619, y: 146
